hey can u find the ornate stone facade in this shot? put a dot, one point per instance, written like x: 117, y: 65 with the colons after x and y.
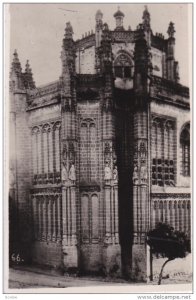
x: 105, y: 151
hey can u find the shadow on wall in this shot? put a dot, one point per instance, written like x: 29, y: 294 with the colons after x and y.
x: 124, y: 133
x: 20, y: 234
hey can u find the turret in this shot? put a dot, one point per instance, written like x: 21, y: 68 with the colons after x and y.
x: 146, y: 25
x: 170, y: 52
x: 98, y: 38
x: 68, y: 56
x: 98, y: 28
x: 16, y: 81
x: 68, y: 51
x: 106, y: 50
x: 146, y: 18
x: 143, y: 69
x: 68, y: 60
x: 119, y: 16
x: 28, y: 77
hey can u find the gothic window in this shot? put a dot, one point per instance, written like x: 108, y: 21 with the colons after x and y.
x: 57, y: 146
x: 123, y: 67
x: 46, y: 153
x: 163, y: 152
x: 45, y: 149
x: 185, y: 150
x: 88, y: 150
x: 95, y: 216
x: 89, y: 218
x: 85, y: 217
x: 35, y: 133
x: 83, y: 151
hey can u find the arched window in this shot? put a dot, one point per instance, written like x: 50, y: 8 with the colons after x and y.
x: 163, y: 151
x: 185, y: 150
x: 123, y: 67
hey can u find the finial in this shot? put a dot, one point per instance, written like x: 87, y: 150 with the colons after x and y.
x: 146, y: 17
x: 68, y: 31
x: 28, y: 77
x: 105, y: 27
x: 27, y: 67
x: 16, y: 66
x: 16, y: 60
x: 171, y: 30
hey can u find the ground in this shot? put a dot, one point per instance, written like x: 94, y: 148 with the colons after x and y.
x: 27, y: 277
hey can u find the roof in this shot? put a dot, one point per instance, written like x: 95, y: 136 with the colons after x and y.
x: 119, y: 14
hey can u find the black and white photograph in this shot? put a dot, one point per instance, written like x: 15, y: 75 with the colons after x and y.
x: 98, y: 148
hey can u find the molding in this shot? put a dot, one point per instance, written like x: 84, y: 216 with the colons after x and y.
x: 170, y: 195
x: 89, y: 188
x: 46, y: 190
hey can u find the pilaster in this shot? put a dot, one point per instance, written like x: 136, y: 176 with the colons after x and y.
x: 68, y: 151
x: 111, y: 251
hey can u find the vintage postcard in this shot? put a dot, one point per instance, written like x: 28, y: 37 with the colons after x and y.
x: 98, y: 101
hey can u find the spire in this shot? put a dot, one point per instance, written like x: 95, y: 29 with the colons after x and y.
x: 16, y: 66
x: 28, y: 77
x: 119, y: 16
x: 68, y: 31
x: 146, y: 18
x: 171, y: 30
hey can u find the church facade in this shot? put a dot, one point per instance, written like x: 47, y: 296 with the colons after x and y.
x: 100, y: 156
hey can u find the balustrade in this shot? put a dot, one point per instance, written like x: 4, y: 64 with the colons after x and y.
x: 175, y: 212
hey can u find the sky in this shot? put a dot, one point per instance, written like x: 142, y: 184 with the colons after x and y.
x: 37, y: 31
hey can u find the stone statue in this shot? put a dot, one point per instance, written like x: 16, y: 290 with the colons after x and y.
x: 115, y: 174
x: 143, y: 173
x: 72, y: 173
x: 107, y: 172
x: 64, y: 173
x: 135, y: 174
